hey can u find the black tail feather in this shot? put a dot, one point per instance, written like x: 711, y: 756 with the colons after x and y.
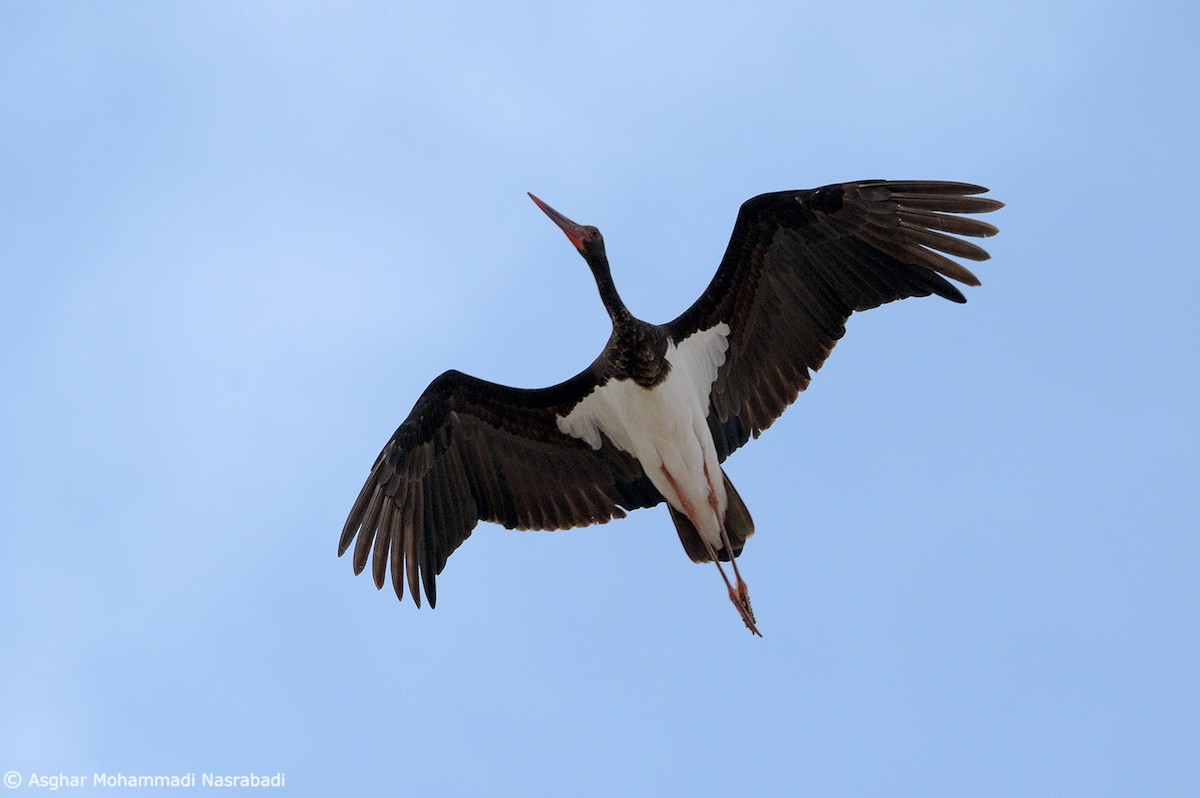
x: 738, y: 525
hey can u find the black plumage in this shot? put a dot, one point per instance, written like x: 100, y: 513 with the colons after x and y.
x: 797, y: 265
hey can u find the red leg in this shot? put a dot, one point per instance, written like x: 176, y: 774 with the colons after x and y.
x: 742, y: 599
x: 739, y: 596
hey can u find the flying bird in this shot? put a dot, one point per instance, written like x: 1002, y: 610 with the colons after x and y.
x: 657, y: 412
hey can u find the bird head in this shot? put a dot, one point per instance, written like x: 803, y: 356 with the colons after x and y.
x: 587, y: 239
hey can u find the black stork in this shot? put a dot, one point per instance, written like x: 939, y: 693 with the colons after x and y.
x: 655, y: 415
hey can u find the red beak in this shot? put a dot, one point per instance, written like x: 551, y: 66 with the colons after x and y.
x: 573, y: 231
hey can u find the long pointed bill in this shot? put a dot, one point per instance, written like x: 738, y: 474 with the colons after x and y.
x: 573, y: 231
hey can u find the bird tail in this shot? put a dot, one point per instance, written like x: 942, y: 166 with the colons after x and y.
x: 738, y: 525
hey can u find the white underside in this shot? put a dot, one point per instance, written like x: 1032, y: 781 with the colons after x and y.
x: 666, y: 426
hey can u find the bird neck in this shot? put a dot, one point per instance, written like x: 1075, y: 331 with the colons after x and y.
x: 608, y: 290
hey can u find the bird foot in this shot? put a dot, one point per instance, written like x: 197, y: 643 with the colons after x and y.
x: 741, y: 600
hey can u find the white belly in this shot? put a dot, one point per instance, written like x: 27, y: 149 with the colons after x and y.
x: 666, y: 427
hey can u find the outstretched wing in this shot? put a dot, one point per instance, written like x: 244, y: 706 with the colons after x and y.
x: 800, y: 262
x: 472, y: 450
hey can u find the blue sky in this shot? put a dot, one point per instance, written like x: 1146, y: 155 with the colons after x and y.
x: 238, y: 240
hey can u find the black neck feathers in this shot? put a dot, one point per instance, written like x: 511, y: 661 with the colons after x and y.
x: 597, y: 260
x: 636, y: 351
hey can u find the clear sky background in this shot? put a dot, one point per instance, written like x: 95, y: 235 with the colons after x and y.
x: 238, y: 240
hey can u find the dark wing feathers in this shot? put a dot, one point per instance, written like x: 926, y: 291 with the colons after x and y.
x: 800, y: 262
x: 472, y: 450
